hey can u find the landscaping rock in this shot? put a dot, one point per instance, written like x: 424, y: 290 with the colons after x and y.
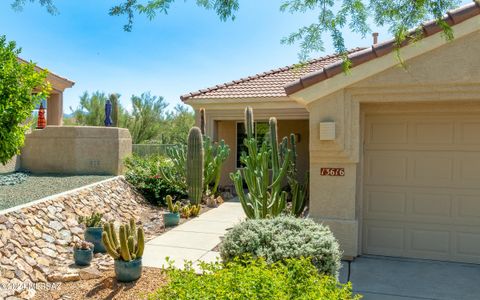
x: 35, y: 242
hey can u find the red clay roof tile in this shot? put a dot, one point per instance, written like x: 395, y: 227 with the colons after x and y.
x: 267, y: 84
x: 453, y: 17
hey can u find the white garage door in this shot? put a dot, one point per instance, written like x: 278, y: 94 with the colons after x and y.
x: 422, y: 186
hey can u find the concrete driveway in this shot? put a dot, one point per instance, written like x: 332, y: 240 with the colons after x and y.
x: 387, y: 278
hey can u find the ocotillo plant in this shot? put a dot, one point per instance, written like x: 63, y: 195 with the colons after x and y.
x: 265, y: 197
x: 129, y: 244
x: 195, y: 161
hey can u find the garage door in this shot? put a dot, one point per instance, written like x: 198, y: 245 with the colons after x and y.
x: 422, y: 186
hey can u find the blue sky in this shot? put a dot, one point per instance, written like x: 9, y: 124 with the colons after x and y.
x: 186, y: 50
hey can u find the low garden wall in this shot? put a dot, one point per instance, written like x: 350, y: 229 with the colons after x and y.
x: 35, y: 238
x: 11, y: 166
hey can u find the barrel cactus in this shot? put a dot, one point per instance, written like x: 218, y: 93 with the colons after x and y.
x: 128, y: 244
x: 195, y: 165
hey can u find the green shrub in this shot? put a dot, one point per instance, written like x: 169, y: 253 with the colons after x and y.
x: 283, y: 237
x: 144, y: 174
x: 253, y: 279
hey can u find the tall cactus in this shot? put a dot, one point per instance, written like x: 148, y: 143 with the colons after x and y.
x: 195, y: 165
x: 249, y: 122
x: 299, y: 191
x: 265, y: 197
x: 130, y: 243
x: 115, y: 108
x: 202, y: 120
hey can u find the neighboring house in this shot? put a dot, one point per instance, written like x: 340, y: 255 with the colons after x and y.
x: 407, y: 139
x: 54, y: 110
x: 54, y: 107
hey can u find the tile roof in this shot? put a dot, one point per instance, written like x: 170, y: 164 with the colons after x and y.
x: 66, y: 80
x: 267, y: 84
x: 453, y: 17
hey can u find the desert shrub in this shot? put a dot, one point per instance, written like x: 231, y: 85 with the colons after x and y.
x: 253, y: 279
x: 281, y: 238
x: 144, y: 174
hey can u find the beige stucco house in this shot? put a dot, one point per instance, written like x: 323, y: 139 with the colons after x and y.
x: 406, y: 139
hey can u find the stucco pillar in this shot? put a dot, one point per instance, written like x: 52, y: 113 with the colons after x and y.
x: 333, y: 198
x: 55, y: 109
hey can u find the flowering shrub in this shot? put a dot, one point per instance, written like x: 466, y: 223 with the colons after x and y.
x: 281, y: 238
x: 253, y: 279
x: 144, y: 174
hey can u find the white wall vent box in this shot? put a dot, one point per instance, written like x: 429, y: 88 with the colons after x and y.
x: 327, y: 131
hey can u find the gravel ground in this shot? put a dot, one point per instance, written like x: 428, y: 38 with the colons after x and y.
x: 40, y: 186
x: 107, y: 287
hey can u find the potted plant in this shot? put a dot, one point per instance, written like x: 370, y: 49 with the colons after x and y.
x: 83, y: 253
x: 93, y: 231
x: 126, y: 247
x: 172, y: 217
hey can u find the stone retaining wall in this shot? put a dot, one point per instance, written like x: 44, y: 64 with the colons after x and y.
x: 35, y: 241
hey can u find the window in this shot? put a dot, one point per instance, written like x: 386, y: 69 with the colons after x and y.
x: 261, y: 132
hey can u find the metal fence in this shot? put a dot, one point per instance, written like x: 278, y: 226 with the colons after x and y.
x: 151, y: 149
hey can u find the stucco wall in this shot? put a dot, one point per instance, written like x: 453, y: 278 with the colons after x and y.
x: 76, y: 150
x: 11, y: 166
x: 446, y: 78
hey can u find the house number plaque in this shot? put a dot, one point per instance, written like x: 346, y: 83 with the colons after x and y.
x: 332, y: 172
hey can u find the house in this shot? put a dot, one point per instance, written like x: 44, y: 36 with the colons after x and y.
x: 54, y: 107
x: 393, y: 152
x: 54, y: 110
x: 58, y: 149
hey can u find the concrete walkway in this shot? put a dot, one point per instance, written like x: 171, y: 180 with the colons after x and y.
x: 388, y: 278
x: 195, y: 239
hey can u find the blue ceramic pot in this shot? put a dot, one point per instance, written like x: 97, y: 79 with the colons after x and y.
x: 94, y: 236
x: 171, y: 219
x: 82, y: 257
x: 127, y: 271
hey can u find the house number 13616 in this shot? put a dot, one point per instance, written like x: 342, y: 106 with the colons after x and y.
x: 332, y: 172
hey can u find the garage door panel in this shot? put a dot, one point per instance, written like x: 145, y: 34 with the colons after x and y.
x: 433, y: 133
x: 431, y: 169
x: 387, y: 133
x: 432, y: 205
x: 469, y: 168
x: 468, y: 207
x: 386, y: 202
x: 467, y: 244
x: 421, y: 194
x: 386, y: 237
x: 469, y: 133
x: 429, y: 240
x: 385, y: 168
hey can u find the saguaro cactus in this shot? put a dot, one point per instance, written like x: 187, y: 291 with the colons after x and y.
x: 265, y: 197
x: 195, y: 165
x: 202, y: 120
x: 130, y: 243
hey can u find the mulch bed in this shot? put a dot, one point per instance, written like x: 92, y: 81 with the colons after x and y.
x: 106, y: 287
